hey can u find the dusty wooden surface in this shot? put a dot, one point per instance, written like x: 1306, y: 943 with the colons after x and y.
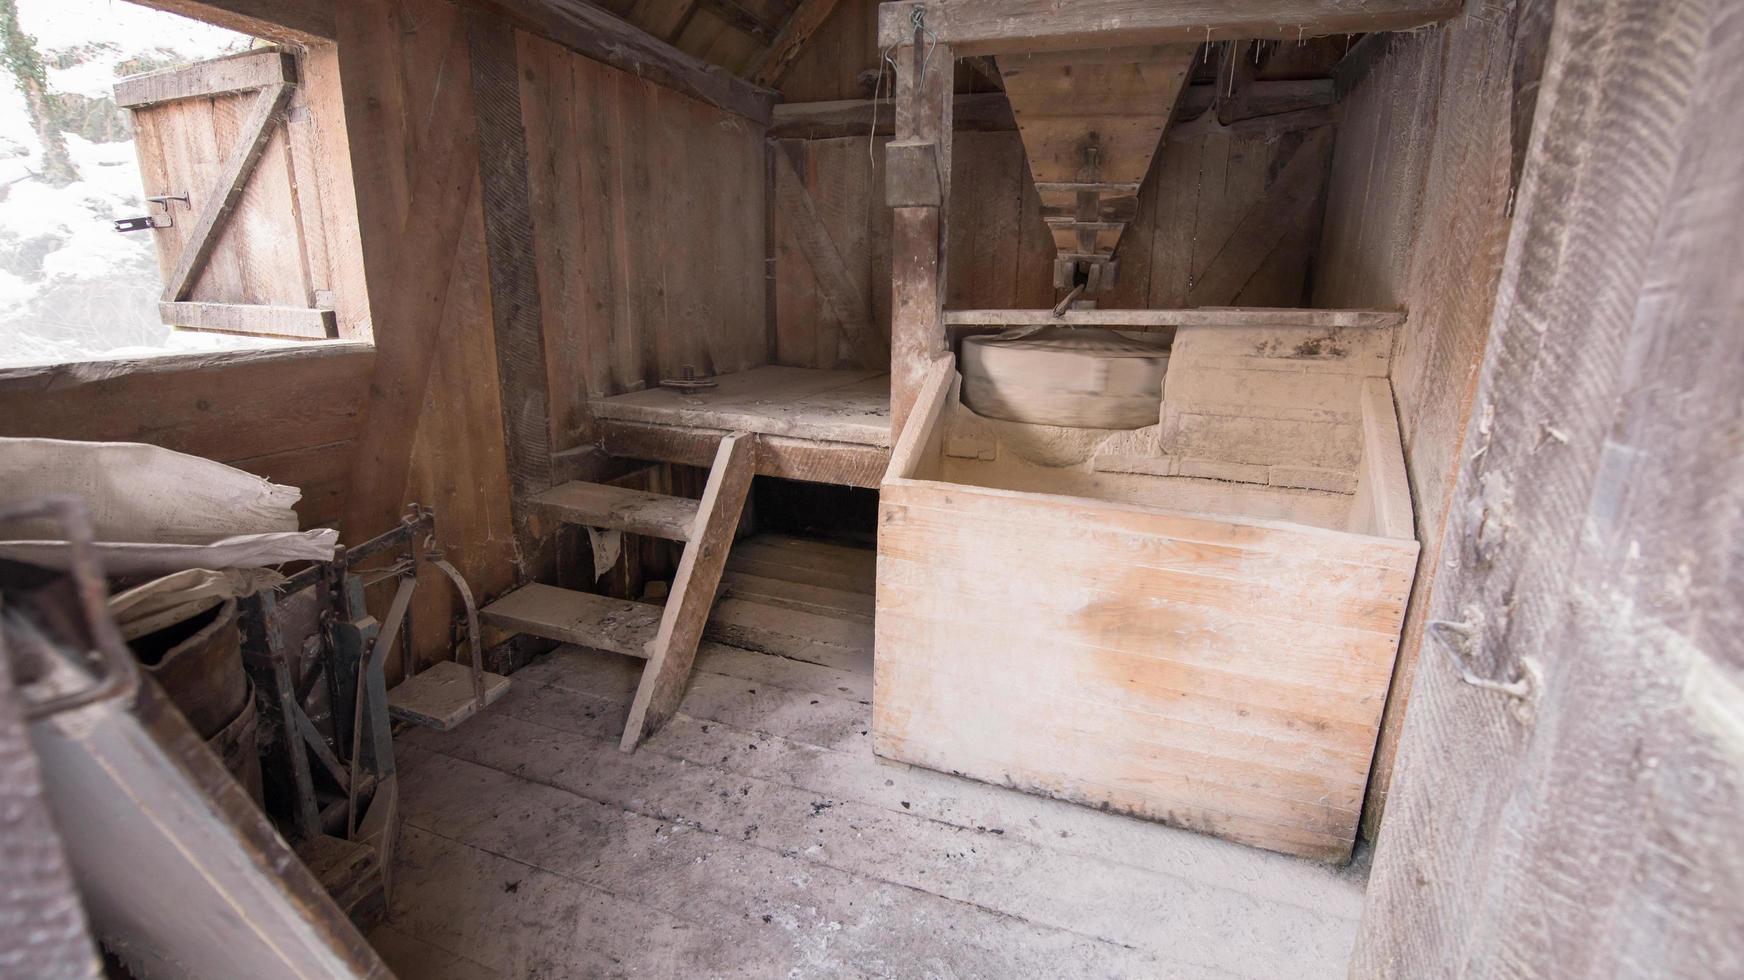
x: 1207, y: 668
x: 1586, y: 824
x: 756, y: 835
x: 832, y: 406
x: 848, y: 464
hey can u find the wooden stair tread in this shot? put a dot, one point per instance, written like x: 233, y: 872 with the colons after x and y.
x: 636, y: 511
x: 440, y: 696
x: 582, y: 618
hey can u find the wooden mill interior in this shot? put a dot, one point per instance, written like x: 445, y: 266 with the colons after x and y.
x: 935, y: 488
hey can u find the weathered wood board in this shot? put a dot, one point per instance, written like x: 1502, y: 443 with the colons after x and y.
x: 1091, y: 121
x: 833, y: 406
x: 1214, y: 671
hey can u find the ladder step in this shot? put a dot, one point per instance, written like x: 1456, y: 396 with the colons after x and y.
x: 440, y: 695
x: 636, y: 511
x: 582, y: 618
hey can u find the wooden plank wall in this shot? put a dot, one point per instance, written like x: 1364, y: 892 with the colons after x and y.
x: 1587, y: 824
x: 290, y: 417
x: 1222, y: 221
x: 648, y: 226
x: 432, y: 418
x: 1417, y: 218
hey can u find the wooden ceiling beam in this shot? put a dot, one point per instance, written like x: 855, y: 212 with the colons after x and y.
x: 974, y: 27
x: 596, y: 33
x: 781, y: 53
x: 284, y: 21
x: 987, y: 112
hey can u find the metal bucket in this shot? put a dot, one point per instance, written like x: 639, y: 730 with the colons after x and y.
x: 238, y: 746
x: 198, y: 663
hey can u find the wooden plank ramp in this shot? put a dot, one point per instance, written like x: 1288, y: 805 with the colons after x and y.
x: 756, y: 835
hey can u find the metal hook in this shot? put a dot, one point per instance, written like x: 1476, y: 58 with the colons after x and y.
x: 1456, y: 639
x: 917, y: 21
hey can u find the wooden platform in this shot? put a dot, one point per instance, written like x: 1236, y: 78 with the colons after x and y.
x: 822, y: 426
x: 757, y: 836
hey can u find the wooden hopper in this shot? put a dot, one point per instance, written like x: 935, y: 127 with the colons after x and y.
x: 1091, y: 121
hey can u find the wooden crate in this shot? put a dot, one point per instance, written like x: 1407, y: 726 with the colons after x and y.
x: 1219, y: 672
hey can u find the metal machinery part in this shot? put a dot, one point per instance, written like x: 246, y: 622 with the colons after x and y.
x: 145, y: 808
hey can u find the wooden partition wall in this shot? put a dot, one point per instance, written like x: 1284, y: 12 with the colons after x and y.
x: 645, y: 212
x: 1224, y: 221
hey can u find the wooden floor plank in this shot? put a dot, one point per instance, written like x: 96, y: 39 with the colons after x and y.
x: 836, y: 921
x: 1206, y: 925
x: 811, y: 563
x: 524, y: 921
x: 804, y: 596
x: 410, y: 957
x: 846, y: 772
x: 758, y: 819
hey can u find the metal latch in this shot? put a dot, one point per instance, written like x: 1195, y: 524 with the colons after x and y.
x: 146, y: 221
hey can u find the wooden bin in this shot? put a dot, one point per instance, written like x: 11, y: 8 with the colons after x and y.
x: 1176, y: 661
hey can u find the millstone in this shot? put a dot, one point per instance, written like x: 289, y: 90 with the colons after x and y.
x: 1074, y: 377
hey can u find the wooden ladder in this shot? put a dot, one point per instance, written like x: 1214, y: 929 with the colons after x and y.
x: 666, y: 636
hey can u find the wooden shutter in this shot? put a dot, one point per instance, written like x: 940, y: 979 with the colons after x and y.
x: 240, y: 255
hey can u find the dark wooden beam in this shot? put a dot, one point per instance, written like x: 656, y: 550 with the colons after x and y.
x: 517, y: 331
x: 293, y: 21
x: 1261, y: 97
x: 738, y: 18
x: 988, y: 112
x: 972, y: 27
x: 595, y: 33
x: 801, y: 25
x: 1356, y: 64
x: 1254, y: 127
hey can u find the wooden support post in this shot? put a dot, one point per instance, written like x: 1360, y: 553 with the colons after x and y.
x: 517, y: 329
x: 917, y: 234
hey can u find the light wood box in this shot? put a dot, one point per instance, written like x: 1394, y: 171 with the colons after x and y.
x: 1217, y: 672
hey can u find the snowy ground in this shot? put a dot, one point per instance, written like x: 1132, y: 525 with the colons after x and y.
x: 71, y: 287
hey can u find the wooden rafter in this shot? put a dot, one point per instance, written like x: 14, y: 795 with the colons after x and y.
x: 973, y: 27
x: 801, y: 25
x: 987, y: 112
x: 596, y: 33
x: 734, y: 15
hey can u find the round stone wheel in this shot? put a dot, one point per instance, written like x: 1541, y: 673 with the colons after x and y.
x: 1067, y: 376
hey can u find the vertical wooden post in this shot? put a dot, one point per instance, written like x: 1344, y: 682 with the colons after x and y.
x: 917, y: 236
x: 518, y: 333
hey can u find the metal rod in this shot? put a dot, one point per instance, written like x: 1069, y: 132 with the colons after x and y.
x: 1063, y: 305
